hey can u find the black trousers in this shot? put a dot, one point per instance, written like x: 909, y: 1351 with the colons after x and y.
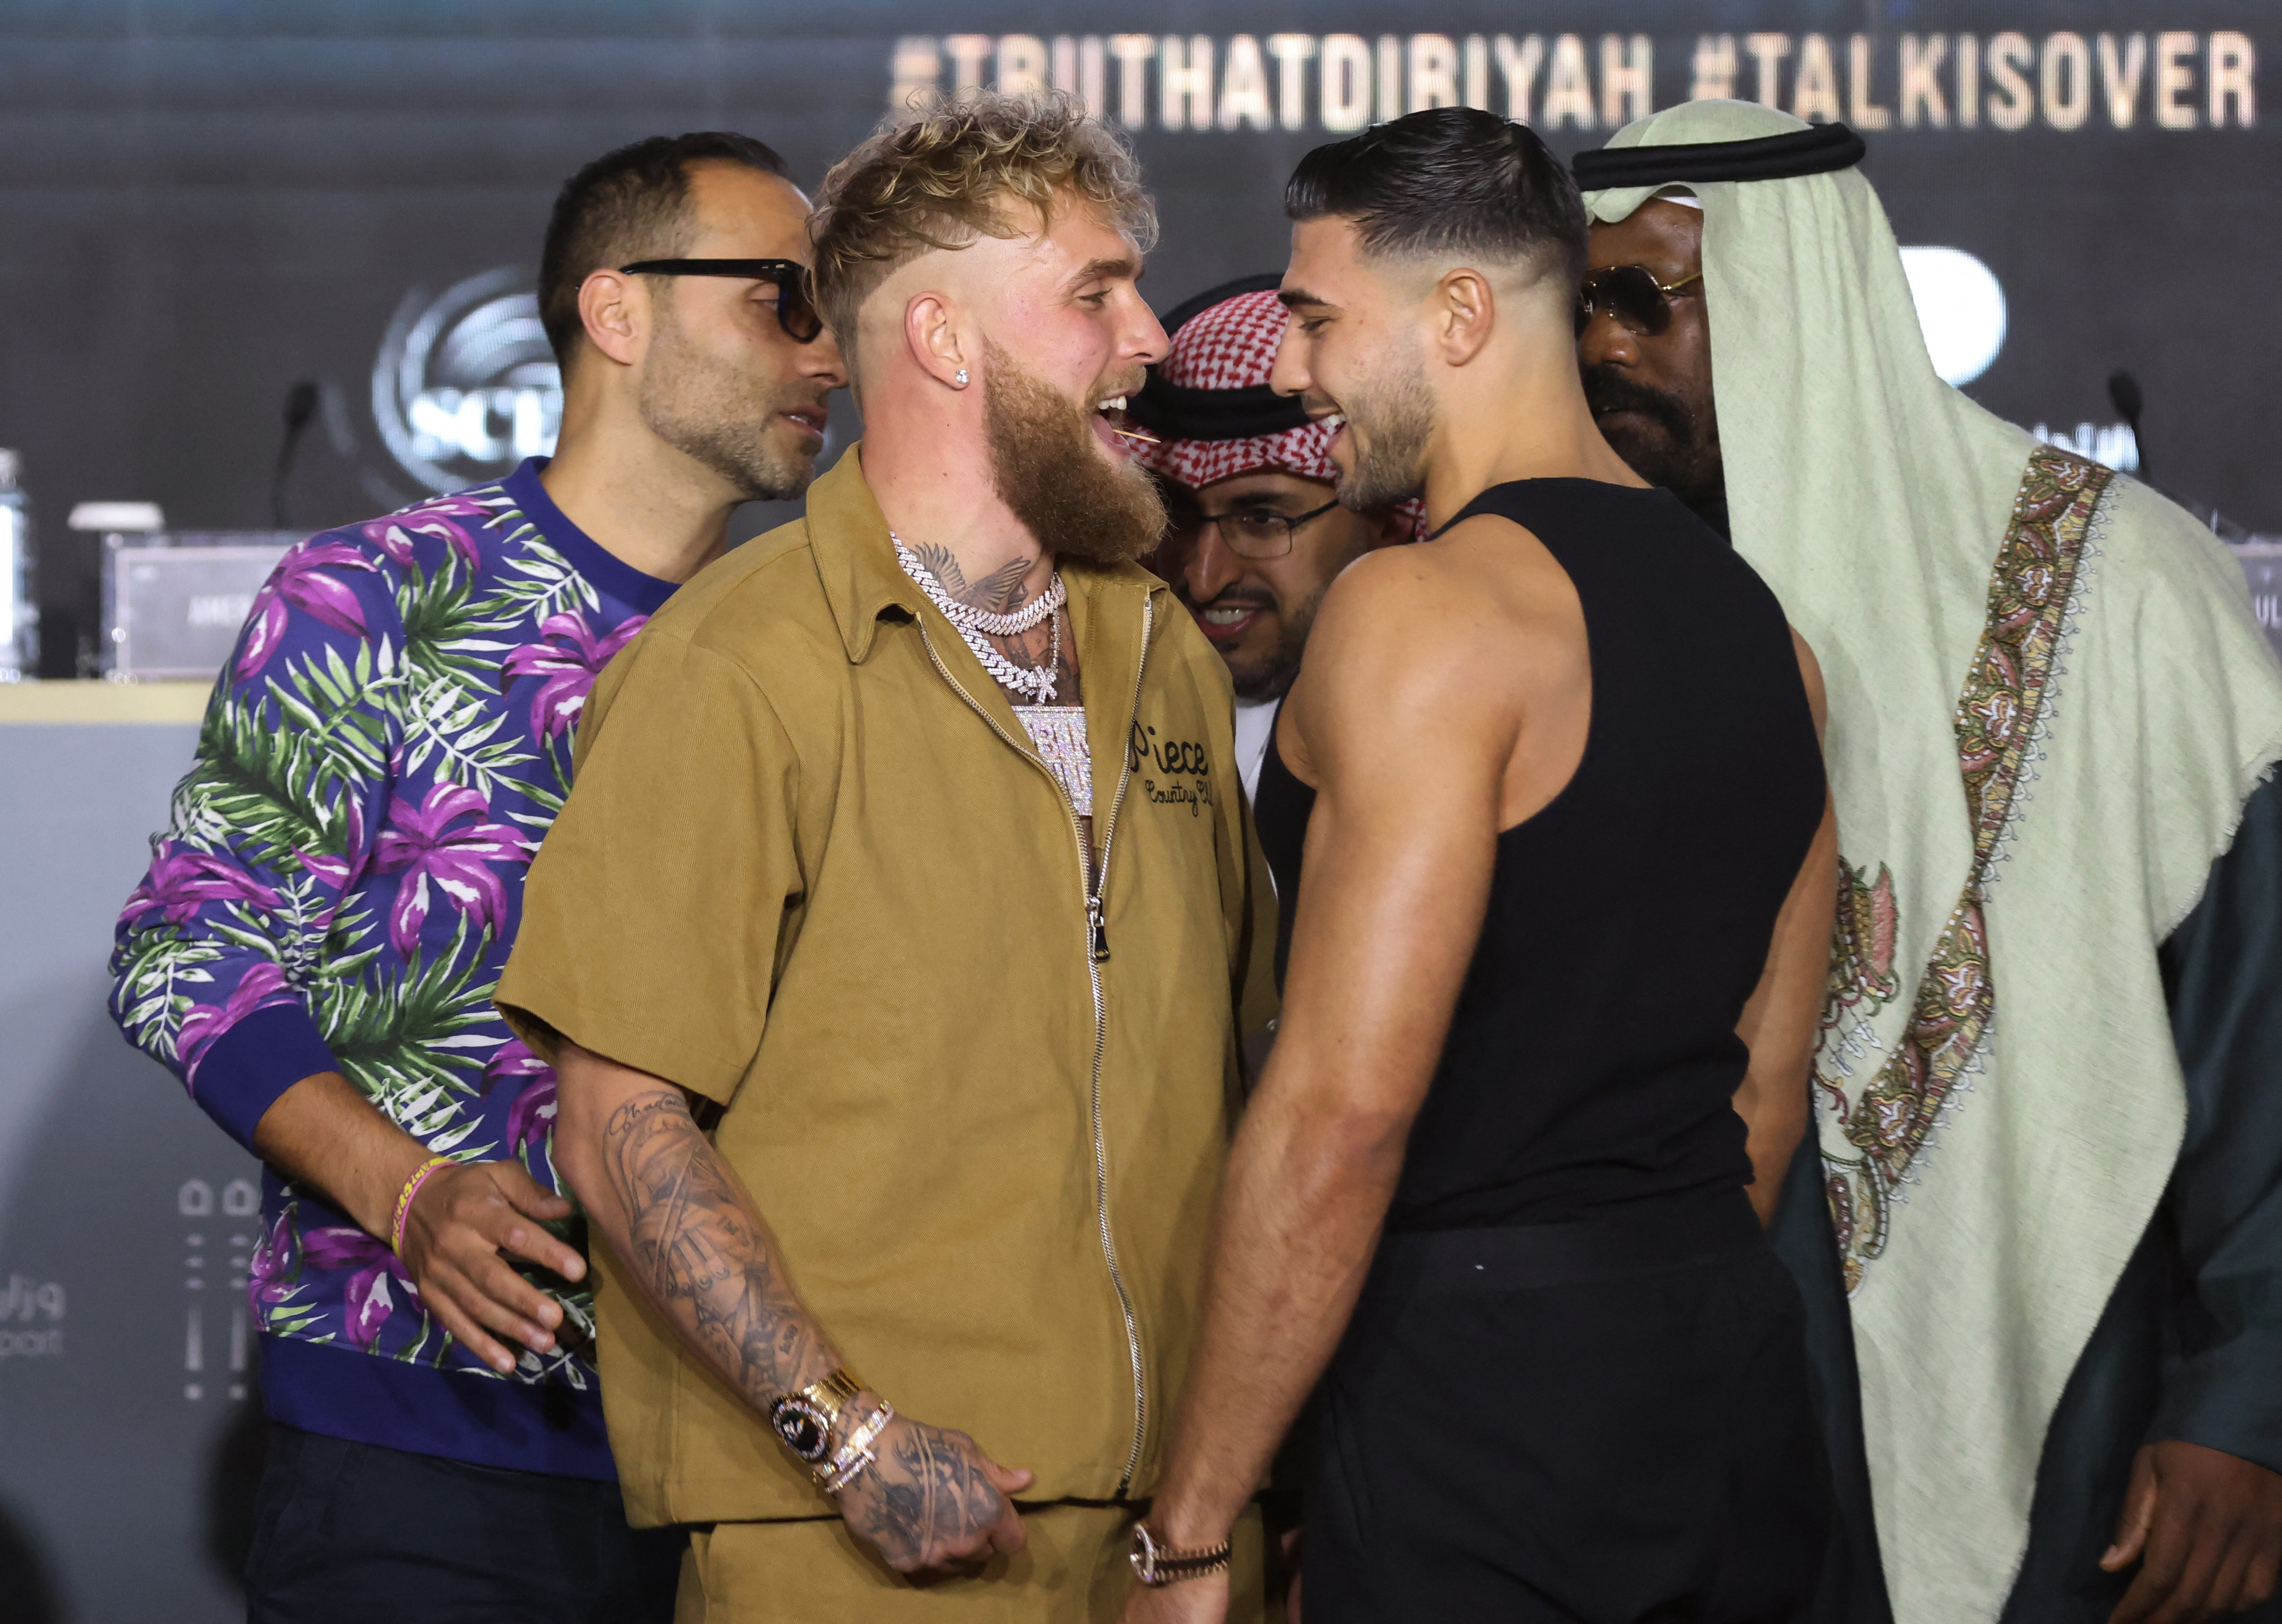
x: 354, y: 1534
x: 1594, y: 1423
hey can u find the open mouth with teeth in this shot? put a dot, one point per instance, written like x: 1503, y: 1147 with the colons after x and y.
x: 811, y: 418
x: 1225, y: 622
x: 1115, y: 430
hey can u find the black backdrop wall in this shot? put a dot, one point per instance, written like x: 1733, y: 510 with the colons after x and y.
x: 205, y: 201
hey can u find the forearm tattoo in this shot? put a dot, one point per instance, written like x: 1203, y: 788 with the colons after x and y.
x: 706, y: 1258
x: 702, y: 1252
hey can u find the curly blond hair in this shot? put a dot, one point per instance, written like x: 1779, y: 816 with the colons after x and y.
x: 942, y: 178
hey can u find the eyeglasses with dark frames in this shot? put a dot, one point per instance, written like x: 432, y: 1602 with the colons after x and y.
x: 796, y: 311
x: 1249, y: 532
x: 1632, y: 296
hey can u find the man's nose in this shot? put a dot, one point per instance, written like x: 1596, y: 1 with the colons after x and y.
x: 1145, y: 338
x: 1289, y: 375
x: 1607, y: 342
x: 1210, y: 568
x: 821, y: 358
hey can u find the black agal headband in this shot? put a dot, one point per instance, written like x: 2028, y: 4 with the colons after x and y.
x: 1817, y: 150
x: 1182, y: 413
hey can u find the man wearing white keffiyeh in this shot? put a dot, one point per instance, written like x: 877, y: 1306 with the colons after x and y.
x: 2066, y: 1301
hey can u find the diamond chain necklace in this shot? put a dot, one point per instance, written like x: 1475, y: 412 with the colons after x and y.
x: 1035, y: 683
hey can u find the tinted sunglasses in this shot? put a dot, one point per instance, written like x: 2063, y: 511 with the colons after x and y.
x: 796, y: 311
x: 1637, y: 301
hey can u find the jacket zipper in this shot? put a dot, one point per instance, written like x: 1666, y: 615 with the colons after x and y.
x: 1093, y: 877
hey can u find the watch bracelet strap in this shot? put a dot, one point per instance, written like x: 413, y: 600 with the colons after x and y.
x: 833, y: 1391
x: 1168, y: 1566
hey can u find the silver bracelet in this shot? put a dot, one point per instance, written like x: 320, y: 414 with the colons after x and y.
x: 856, y: 1455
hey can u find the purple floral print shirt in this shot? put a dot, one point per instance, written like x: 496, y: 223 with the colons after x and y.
x: 338, y: 890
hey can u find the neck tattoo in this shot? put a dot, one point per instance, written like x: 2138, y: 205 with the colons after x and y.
x: 1037, y: 683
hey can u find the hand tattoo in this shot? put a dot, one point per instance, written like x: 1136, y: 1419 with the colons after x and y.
x: 702, y: 1250
x: 927, y: 1496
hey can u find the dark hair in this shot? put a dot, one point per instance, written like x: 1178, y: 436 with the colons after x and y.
x: 1448, y: 181
x: 626, y: 206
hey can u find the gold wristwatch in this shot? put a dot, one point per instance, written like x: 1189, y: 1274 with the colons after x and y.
x: 803, y: 1419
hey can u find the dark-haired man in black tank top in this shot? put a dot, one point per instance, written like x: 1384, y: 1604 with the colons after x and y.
x: 1562, y: 935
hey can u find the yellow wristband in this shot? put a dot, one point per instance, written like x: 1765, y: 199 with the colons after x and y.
x: 420, y: 1176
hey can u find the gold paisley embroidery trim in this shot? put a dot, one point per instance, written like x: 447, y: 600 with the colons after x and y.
x: 2007, y: 687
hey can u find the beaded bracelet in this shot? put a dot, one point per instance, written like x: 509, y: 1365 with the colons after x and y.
x: 420, y: 1176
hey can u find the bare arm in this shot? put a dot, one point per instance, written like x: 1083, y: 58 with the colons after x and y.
x: 1785, y: 1011
x: 1375, y: 973
x: 324, y: 1134
x: 688, y: 1233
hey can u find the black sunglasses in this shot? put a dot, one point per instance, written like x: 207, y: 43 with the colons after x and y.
x: 796, y: 311
x: 1632, y: 294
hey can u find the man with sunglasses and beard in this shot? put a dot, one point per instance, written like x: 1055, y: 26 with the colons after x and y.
x: 1253, y: 535
x: 2059, y: 1383
x: 315, y: 948
x: 895, y: 946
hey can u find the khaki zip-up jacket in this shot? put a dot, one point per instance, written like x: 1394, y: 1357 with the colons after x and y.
x: 812, y: 869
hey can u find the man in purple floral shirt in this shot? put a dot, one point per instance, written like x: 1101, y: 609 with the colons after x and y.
x: 315, y: 948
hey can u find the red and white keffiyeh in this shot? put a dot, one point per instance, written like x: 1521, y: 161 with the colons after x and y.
x: 1232, y: 346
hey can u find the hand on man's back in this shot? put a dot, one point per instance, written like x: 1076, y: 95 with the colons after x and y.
x: 466, y: 1222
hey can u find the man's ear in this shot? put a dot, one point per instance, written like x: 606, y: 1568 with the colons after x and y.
x: 931, y: 333
x: 615, y: 310
x: 1465, y: 311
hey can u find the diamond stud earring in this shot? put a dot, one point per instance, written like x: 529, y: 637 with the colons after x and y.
x: 961, y: 379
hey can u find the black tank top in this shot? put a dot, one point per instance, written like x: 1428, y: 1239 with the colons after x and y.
x: 1593, y: 1055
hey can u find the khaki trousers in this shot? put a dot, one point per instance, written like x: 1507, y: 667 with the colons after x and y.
x: 1073, y: 1570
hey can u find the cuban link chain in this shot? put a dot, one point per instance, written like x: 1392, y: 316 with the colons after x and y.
x: 1035, y: 683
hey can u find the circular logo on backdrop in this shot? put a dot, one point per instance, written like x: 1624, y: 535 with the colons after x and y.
x: 1960, y: 310
x: 465, y: 386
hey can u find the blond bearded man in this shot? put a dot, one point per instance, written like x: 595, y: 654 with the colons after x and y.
x: 895, y: 946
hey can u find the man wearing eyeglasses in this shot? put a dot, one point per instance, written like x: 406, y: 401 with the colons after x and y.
x: 1254, y: 538
x: 2045, y: 1080
x: 315, y: 948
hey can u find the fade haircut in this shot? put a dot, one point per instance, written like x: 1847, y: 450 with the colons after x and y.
x: 628, y: 204
x: 1448, y: 182
x: 943, y: 178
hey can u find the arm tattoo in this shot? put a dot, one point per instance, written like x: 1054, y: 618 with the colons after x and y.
x: 701, y: 1249
x: 705, y: 1256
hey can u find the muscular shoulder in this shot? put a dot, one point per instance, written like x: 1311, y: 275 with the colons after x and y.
x: 1466, y: 610
x: 1433, y: 644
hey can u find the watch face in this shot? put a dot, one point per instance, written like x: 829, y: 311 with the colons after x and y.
x: 803, y: 1428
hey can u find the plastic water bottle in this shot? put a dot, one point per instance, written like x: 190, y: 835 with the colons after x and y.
x: 19, y: 610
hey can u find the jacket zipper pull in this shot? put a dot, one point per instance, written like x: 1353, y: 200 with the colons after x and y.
x: 1100, y: 931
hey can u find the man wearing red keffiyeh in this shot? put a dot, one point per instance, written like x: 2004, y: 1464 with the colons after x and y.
x: 1255, y: 538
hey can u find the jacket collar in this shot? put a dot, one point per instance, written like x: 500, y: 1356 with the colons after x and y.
x: 856, y: 560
